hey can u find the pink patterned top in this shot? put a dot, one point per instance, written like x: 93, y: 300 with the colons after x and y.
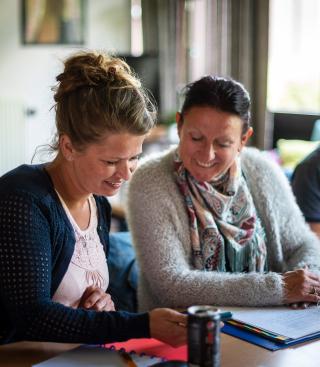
x: 88, y: 264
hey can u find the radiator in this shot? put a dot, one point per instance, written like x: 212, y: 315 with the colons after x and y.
x: 12, y: 135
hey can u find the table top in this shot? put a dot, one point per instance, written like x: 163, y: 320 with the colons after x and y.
x: 234, y: 353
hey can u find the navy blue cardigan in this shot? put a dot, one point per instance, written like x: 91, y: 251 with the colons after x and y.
x: 36, y: 246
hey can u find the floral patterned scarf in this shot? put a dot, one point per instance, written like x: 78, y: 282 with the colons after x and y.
x: 226, y: 234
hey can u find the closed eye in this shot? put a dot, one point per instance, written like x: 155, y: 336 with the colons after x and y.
x: 110, y: 163
x: 196, y: 138
x: 113, y: 163
x: 135, y: 158
x: 224, y: 145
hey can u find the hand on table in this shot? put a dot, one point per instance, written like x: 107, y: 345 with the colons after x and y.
x: 301, y: 288
x: 300, y: 305
x: 168, y: 326
x: 96, y: 299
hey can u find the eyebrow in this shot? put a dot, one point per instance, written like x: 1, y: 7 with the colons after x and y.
x: 225, y: 138
x: 123, y: 159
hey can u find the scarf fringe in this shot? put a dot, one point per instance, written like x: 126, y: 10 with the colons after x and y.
x: 240, y: 258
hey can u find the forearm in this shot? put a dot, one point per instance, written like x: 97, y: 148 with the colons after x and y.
x: 54, y: 322
x: 173, y: 282
x: 177, y: 288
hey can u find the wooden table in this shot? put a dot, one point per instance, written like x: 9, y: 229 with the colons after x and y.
x: 234, y: 353
x: 25, y: 354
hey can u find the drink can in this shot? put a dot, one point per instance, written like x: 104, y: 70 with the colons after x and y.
x: 203, y: 336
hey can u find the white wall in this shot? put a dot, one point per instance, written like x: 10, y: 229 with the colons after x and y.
x: 28, y: 72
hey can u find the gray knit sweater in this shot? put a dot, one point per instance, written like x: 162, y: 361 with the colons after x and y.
x: 159, y: 224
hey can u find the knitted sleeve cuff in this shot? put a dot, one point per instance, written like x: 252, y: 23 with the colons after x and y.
x: 122, y: 326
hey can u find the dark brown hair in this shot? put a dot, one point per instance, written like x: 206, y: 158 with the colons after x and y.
x: 224, y: 94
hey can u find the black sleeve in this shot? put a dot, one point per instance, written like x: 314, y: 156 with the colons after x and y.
x: 306, y: 187
x: 27, y: 311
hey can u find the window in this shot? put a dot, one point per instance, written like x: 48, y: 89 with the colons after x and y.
x: 294, y: 56
x: 136, y: 28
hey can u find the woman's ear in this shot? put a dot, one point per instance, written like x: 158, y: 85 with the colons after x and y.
x: 66, y: 147
x: 179, y: 122
x: 245, y: 137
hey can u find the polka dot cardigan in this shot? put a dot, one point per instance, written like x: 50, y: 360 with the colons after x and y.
x: 36, y: 246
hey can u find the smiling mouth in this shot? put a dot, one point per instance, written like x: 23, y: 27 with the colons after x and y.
x: 115, y: 185
x: 205, y: 164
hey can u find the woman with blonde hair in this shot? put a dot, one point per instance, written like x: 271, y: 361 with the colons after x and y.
x: 55, y: 219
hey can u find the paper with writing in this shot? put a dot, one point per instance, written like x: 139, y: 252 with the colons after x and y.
x: 292, y: 323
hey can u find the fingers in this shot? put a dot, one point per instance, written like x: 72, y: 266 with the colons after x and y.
x: 294, y: 305
x: 177, y: 334
x: 96, y: 296
x: 168, y: 326
x: 313, y: 298
x: 109, y: 305
x: 301, y: 305
x: 314, y: 289
x: 312, y: 275
x: 301, y: 285
x: 85, y: 296
x: 104, y: 303
x: 177, y: 317
x: 96, y: 299
x: 88, y: 292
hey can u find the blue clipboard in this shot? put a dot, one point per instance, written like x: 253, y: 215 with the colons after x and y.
x: 264, y: 342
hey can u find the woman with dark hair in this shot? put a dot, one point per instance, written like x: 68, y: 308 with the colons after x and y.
x: 55, y: 218
x: 214, y: 222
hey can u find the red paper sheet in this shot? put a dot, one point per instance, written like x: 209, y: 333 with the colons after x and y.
x: 152, y: 347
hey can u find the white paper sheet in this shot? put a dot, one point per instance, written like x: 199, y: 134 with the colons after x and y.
x: 87, y: 356
x: 292, y: 323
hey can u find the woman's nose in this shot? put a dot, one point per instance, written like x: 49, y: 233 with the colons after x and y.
x: 209, y: 153
x: 125, y: 170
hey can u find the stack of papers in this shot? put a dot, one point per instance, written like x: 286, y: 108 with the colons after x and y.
x: 282, y: 325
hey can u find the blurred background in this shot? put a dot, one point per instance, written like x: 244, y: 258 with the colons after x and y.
x: 271, y: 46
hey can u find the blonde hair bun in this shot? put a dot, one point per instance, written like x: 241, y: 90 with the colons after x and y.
x: 98, y: 93
x: 91, y: 69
